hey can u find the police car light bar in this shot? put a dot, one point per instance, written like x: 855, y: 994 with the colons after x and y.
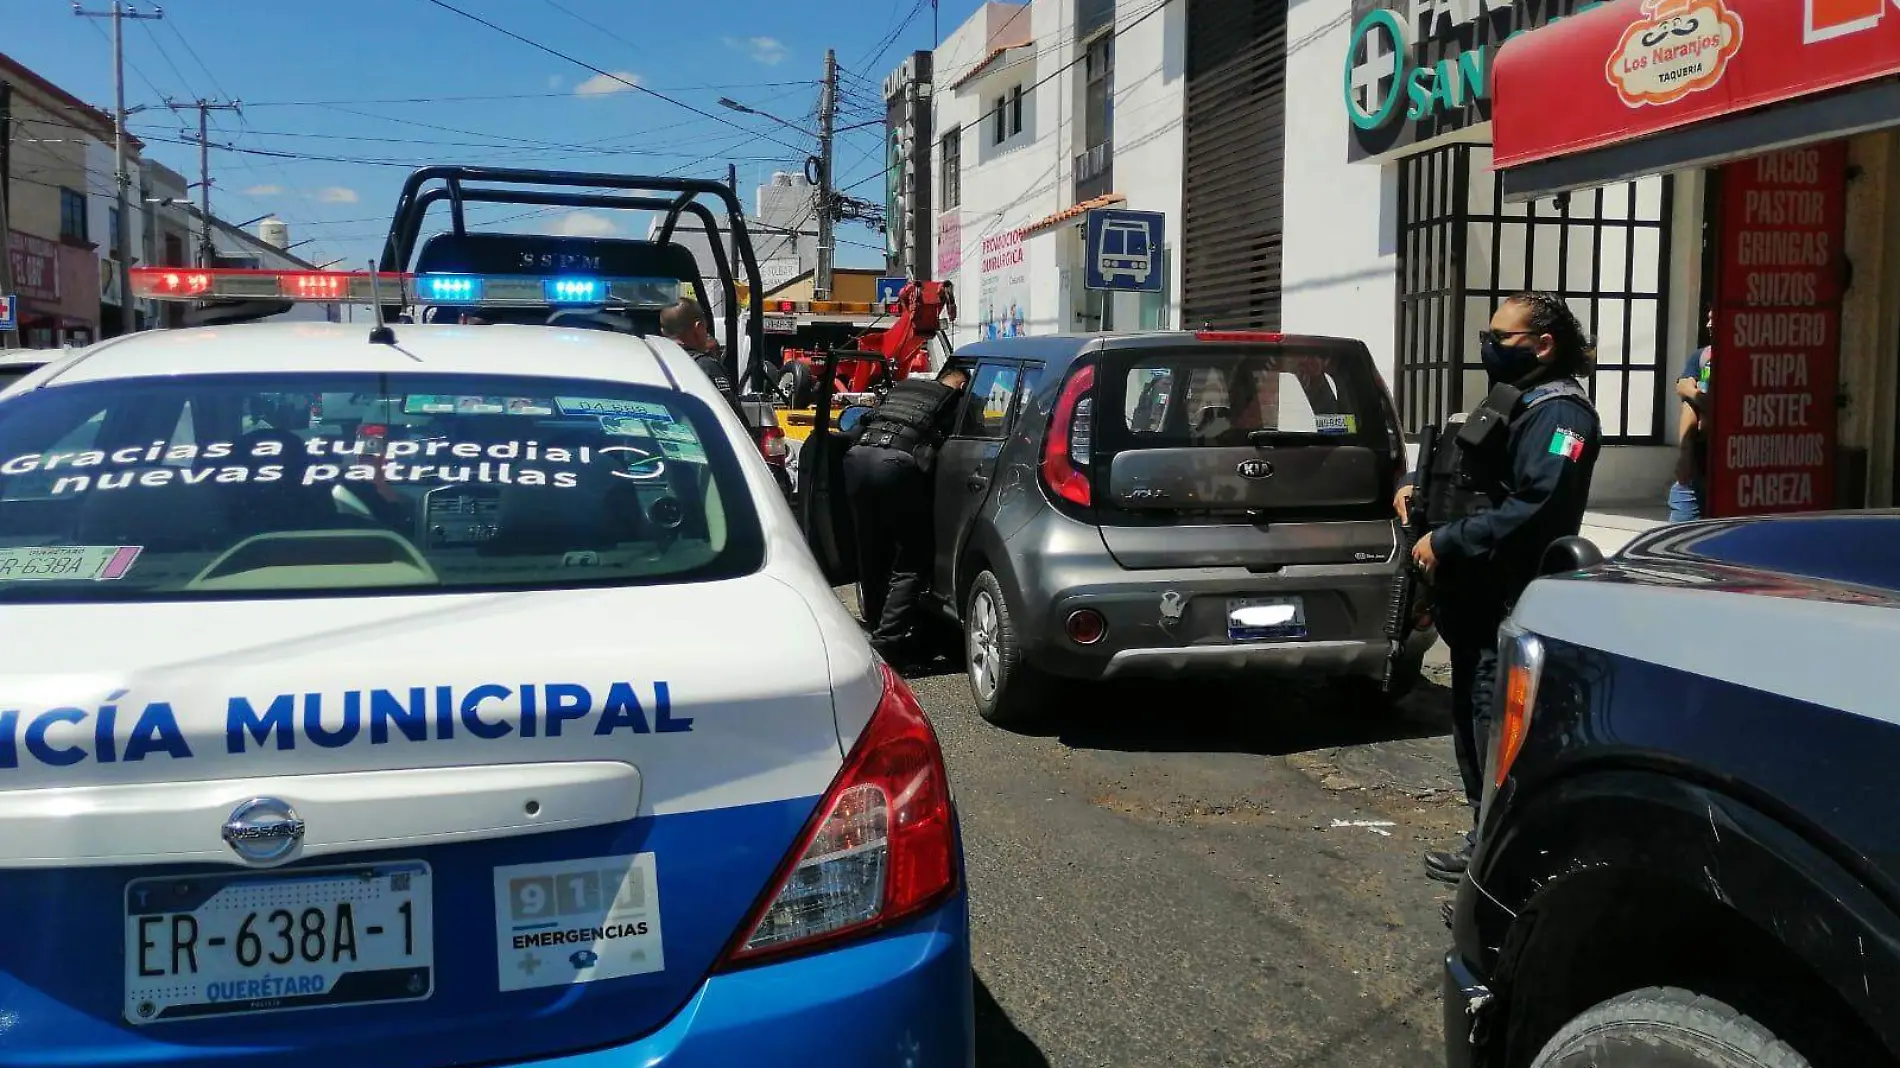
x: 354, y: 287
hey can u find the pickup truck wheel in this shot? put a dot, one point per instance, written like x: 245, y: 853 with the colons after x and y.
x: 1666, y: 1027
x: 1007, y: 691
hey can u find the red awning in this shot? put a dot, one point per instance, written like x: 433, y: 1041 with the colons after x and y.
x: 1570, y: 98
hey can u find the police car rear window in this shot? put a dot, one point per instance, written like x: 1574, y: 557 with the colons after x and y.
x: 318, y: 485
x: 1222, y: 396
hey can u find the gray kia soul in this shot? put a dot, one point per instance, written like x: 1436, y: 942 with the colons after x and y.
x: 1169, y: 504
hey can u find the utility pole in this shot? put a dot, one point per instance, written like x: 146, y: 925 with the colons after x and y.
x: 9, y: 338
x: 732, y: 234
x: 207, y: 250
x: 827, y: 114
x: 128, y: 315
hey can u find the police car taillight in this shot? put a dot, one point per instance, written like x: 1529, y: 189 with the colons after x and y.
x: 1067, y: 447
x: 1520, y: 667
x: 882, y: 845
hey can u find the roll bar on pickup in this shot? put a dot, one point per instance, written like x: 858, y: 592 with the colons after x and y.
x: 405, y: 228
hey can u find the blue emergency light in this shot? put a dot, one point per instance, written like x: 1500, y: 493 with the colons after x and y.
x: 576, y: 291
x: 449, y: 289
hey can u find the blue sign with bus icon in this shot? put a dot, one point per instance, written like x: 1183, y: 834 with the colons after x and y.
x: 1124, y: 250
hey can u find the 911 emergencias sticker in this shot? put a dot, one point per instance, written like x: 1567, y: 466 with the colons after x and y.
x: 577, y: 921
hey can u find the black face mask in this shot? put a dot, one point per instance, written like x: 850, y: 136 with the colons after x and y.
x: 1506, y: 363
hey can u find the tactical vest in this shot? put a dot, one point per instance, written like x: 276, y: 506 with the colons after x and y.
x: 1471, y: 470
x: 909, y: 416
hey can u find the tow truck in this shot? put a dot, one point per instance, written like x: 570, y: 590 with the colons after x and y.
x: 837, y: 379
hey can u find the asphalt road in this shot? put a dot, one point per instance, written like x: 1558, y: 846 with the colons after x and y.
x: 1180, y: 875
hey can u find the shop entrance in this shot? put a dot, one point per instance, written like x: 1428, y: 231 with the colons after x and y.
x: 1462, y: 251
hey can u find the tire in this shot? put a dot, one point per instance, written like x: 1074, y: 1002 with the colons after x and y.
x: 795, y: 382
x: 1666, y: 1027
x: 1008, y: 692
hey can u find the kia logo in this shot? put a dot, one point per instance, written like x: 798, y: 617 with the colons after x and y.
x: 1255, y: 469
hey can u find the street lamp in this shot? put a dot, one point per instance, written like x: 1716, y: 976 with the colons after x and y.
x: 733, y: 105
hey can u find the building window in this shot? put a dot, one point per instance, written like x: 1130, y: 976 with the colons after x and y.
x: 72, y: 215
x: 1463, y: 251
x: 112, y: 231
x: 952, y: 168
x: 1009, y: 115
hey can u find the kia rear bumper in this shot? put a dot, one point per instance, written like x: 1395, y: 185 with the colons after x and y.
x: 903, y: 997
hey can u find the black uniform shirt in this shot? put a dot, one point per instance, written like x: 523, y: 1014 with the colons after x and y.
x: 1552, y: 448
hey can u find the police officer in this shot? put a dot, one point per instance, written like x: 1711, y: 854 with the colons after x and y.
x: 1515, y: 477
x: 888, y: 479
x: 685, y: 324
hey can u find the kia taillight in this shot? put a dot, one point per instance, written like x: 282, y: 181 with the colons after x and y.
x: 1520, y: 667
x: 881, y: 847
x: 1066, y: 449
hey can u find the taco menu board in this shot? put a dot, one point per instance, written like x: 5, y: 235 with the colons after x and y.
x: 1775, y: 370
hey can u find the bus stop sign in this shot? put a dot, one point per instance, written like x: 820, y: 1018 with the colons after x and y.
x: 1124, y: 250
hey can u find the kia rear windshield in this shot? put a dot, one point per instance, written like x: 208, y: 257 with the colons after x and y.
x: 284, y: 485
x: 1209, y: 395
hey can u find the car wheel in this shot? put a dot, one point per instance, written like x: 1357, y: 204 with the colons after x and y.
x: 1008, y: 692
x: 1668, y: 1028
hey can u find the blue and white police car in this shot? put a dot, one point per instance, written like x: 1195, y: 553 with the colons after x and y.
x: 423, y: 742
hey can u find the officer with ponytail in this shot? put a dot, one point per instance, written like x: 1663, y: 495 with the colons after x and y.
x: 1509, y: 480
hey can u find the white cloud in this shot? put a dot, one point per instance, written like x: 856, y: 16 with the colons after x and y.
x: 585, y: 224
x: 264, y: 191
x: 601, y: 84
x: 767, y: 50
x: 336, y: 194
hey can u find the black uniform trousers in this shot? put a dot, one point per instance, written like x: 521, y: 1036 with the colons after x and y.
x: 891, y: 497
x: 1468, y: 622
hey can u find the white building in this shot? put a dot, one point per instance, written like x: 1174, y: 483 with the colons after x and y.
x: 1033, y: 129
x: 1322, y: 168
x: 784, y: 233
x: 102, y: 210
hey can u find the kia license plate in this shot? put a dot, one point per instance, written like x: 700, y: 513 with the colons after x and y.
x: 1263, y: 619
x: 249, y: 942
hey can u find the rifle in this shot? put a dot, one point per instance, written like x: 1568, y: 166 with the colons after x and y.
x: 1402, y: 614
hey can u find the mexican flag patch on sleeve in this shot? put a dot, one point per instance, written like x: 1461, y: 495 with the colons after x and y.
x: 1567, y: 444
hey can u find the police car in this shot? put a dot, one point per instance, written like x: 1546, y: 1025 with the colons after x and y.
x: 1687, y: 851
x: 421, y: 742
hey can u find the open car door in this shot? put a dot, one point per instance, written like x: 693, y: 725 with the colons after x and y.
x: 824, y: 511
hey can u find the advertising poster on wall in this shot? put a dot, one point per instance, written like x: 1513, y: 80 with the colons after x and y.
x: 1003, y: 292
x: 1775, y: 368
x: 949, y: 243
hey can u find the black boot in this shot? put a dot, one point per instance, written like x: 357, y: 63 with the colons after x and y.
x: 1448, y: 866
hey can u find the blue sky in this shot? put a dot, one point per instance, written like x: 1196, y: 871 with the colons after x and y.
x: 373, y: 85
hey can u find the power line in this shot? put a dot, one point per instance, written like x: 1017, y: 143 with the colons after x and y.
x: 538, y: 46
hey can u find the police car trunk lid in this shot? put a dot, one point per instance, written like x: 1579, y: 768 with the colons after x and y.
x: 1244, y: 450
x: 544, y: 813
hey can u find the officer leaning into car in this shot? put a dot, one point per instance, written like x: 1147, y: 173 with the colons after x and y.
x: 1511, y: 479
x: 888, y: 475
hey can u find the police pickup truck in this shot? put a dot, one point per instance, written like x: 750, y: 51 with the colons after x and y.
x: 1688, y: 852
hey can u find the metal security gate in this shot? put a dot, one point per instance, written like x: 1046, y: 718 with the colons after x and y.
x: 1235, y: 151
x: 1463, y: 251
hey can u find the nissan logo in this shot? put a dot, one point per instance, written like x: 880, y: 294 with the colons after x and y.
x: 263, y: 830
x: 1255, y: 469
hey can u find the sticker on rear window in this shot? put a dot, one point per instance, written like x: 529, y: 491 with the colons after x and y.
x: 595, y: 406
x: 67, y: 563
x: 577, y: 922
x: 625, y: 426
x: 685, y: 452
x: 1337, y: 424
x: 529, y: 406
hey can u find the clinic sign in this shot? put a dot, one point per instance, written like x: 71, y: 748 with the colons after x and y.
x: 1416, y: 71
